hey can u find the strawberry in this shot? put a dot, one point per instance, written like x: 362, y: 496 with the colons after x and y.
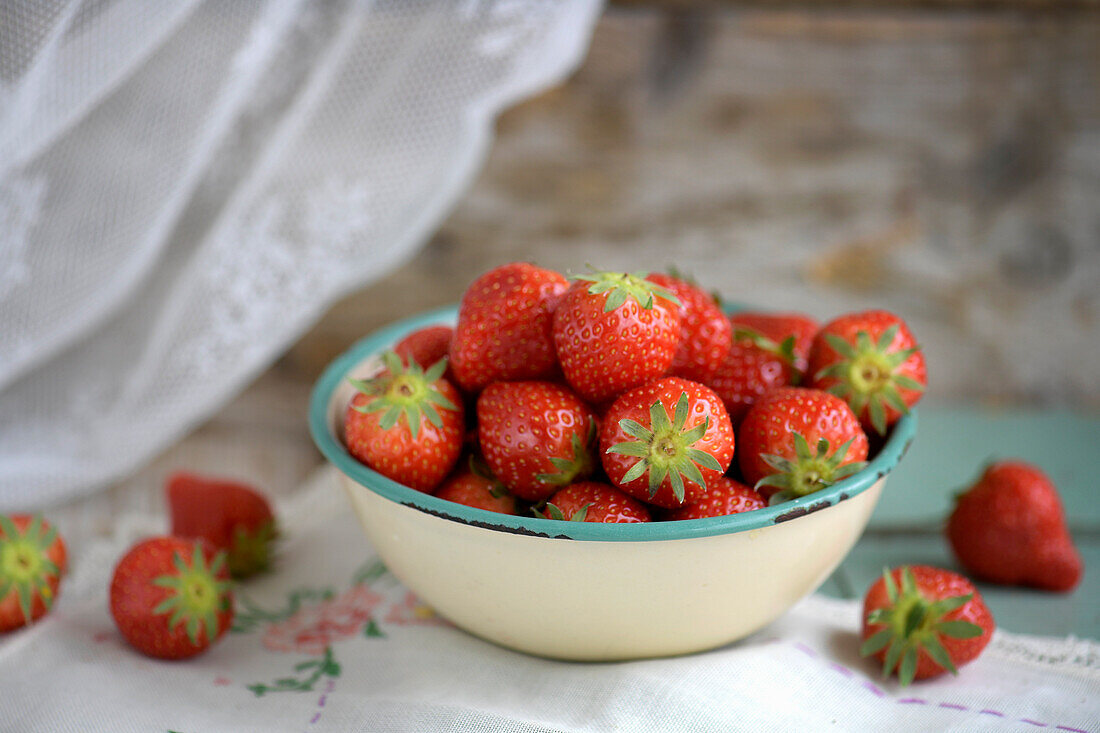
x: 536, y: 436
x: 503, y: 330
x: 425, y: 346
x: 592, y: 501
x: 474, y: 488
x: 748, y: 370
x: 170, y: 597
x: 705, y: 332
x: 772, y: 330
x: 406, y: 423
x: 666, y: 441
x: 775, y: 439
x: 923, y: 621
x: 32, y: 560
x: 231, y: 516
x: 871, y: 360
x: 1010, y: 528
x: 723, y: 496
x: 614, y: 332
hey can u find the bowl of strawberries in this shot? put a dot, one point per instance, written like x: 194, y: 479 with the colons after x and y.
x: 614, y: 465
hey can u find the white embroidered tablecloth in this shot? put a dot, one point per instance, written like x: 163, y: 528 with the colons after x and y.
x: 332, y: 642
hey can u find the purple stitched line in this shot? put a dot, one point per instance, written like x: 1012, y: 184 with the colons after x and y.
x: 867, y: 684
x: 804, y: 649
x: 874, y: 688
x: 321, y: 702
x: 842, y: 669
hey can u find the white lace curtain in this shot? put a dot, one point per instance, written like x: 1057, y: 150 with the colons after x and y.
x: 185, y: 186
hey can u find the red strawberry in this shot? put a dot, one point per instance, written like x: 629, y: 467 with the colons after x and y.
x: 747, y: 372
x: 705, y: 332
x: 774, y: 329
x: 231, y: 516
x: 614, y: 332
x: 799, y: 440
x: 478, y: 491
x: 871, y: 360
x: 591, y: 501
x: 536, y: 436
x: 1010, y: 528
x: 723, y: 496
x: 503, y: 330
x: 406, y: 423
x: 923, y: 621
x: 425, y: 346
x: 32, y: 561
x: 665, y: 442
x: 170, y: 597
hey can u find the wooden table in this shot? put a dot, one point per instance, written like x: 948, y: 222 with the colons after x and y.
x: 940, y: 164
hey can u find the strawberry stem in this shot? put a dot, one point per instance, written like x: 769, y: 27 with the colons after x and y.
x: 579, y: 465
x: 25, y: 565
x: 621, y: 285
x: 810, y: 471
x: 913, y: 623
x: 195, y: 595
x: 405, y: 390
x: 867, y: 375
x: 665, y: 449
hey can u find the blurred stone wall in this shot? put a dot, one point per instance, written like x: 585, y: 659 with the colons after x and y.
x: 942, y: 164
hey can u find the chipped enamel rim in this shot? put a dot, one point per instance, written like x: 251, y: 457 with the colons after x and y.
x: 323, y: 413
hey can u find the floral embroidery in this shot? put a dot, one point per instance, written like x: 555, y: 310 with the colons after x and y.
x: 314, y: 628
x: 312, y: 669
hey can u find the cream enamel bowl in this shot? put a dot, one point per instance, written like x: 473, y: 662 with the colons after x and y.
x: 589, y: 591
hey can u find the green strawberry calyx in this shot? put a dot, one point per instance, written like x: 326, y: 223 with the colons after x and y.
x: 867, y: 374
x: 25, y: 566
x: 810, y: 470
x: 579, y: 465
x: 784, y: 349
x: 250, y: 549
x: 195, y: 595
x: 665, y: 449
x: 554, y: 512
x: 914, y: 624
x: 479, y: 468
x: 405, y: 390
x: 621, y: 285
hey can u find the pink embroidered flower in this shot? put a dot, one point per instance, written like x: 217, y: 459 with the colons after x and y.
x: 315, y: 627
x: 412, y: 610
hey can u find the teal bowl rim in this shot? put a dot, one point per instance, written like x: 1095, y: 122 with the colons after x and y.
x: 897, y: 443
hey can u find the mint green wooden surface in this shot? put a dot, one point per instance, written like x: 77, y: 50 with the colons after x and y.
x: 951, y: 447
